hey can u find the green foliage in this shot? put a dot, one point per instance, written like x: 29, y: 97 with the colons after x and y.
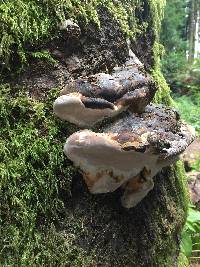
x: 193, y: 78
x: 173, y: 34
x: 185, y: 79
x: 190, y: 110
x: 174, y: 65
x: 44, y: 55
x: 173, y: 37
x: 190, y: 232
x: 189, y: 107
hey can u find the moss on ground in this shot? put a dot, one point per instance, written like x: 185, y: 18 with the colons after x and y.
x: 47, y: 218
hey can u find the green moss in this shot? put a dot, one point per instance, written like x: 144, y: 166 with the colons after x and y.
x: 176, y: 207
x: 185, y: 200
x: 33, y: 170
x: 32, y: 22
x: 156, y: 16
x: 125, y: 13
x: 163, y: 92
x: 184, y: 194
x: 183, y: 261
x: 157, y: 13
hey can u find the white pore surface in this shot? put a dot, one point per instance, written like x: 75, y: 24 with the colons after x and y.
x: 70, y: 108
x: 96, y: 153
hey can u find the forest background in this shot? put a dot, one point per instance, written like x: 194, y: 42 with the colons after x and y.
x: 180, y: 37
x: 180, y: 62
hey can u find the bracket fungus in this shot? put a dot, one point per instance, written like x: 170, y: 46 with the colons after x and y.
x: 87, y: 100
x: 129, y: 152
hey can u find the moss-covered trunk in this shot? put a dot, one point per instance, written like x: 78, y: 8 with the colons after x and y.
x: 48, y: 216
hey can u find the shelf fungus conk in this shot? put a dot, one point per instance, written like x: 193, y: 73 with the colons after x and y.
x: 129, y: 152
x: 131, y: 149
x: 87, y: 100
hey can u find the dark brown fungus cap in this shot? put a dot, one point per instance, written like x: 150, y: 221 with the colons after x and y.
x: 87, y: 100
x: 129, y: 152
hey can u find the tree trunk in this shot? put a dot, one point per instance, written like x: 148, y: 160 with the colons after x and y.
x: 197, y: 35
x: 96, y: 229
x: 148, y: 235
x: 192, y: 29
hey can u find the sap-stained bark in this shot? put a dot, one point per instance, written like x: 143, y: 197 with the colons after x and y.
x: 129, y: 152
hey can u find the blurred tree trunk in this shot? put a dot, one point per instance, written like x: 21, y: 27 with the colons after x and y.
x: 197, y: 36
x: 193, y: 20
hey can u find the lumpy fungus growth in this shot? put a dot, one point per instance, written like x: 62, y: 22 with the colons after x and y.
x: 130, y: 150
x: 88, y: 100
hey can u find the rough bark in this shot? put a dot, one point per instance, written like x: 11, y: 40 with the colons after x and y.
x: 148, y: 235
